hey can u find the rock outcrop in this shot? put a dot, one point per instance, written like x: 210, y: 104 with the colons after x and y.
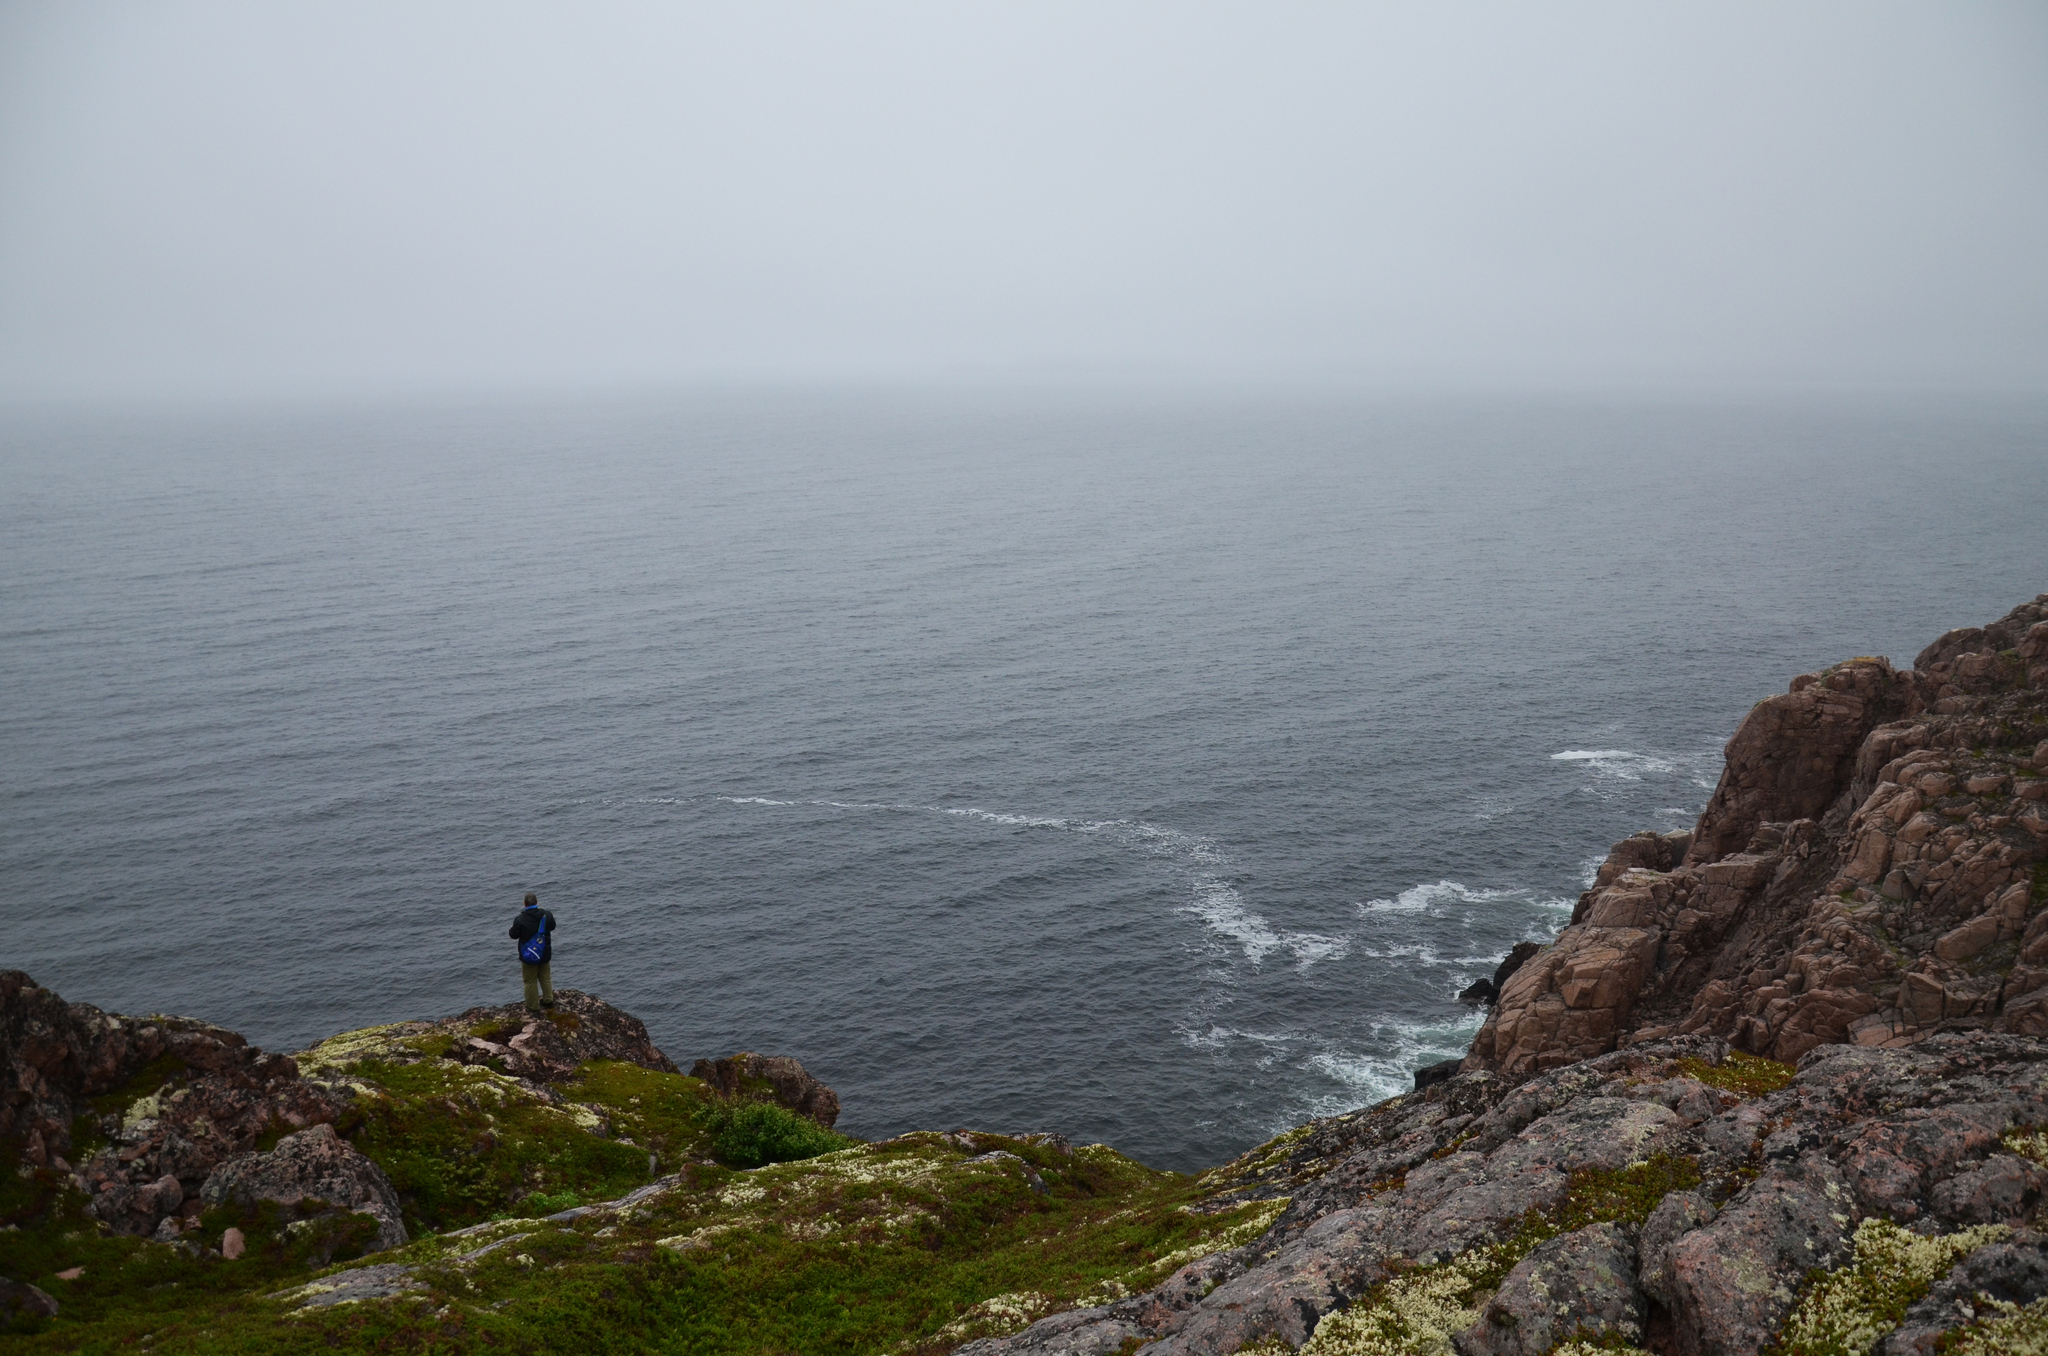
x: 313, y: 1174
x: 1864, y: 895
x: 1870, y: 869
x: 202, y: 1094
x: 543, y: 1050
x: 771, y: 1077
x: 194, y: 1095
x: 1654, y: 1196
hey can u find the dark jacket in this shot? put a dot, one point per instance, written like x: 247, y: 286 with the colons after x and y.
x: 523, y: 926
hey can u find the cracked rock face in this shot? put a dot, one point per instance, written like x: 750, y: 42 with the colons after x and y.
x: 1382, y: 1196
x: 1582, y: 1283
x: 1872, y: 869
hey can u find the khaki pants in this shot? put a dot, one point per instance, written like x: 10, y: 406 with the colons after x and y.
x: 540, y: 983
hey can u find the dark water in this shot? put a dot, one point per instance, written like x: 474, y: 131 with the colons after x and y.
x: 1149, y: 767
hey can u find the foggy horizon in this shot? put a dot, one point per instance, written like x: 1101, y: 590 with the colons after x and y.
x: 229, y: 200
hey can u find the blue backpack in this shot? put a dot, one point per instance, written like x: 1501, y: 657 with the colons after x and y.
x: 534, y: 949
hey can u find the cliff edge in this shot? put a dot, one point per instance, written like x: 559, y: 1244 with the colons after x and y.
x: 1781, y: 1085
x: 1869, y: 871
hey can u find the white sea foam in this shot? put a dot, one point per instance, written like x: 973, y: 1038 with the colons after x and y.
x: 1025, y: 821
x: 1622, y: 764
x: 1218, y: 904
x: 1492, y: 807
x: 1386, y: 1070
x: 1213, y: 899
x: 1440, y: 897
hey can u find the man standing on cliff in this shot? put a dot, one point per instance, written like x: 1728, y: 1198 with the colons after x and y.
x: 534, y: 931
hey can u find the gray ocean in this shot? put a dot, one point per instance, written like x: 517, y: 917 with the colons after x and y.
x: 1151, y: 766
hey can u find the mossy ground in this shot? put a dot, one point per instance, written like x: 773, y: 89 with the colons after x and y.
x: 910, y: 1246
x: 913, y: 1245
x: 1744, y: 1075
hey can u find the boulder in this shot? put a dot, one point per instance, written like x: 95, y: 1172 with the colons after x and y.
x: 1580, y: 1285
x: 771, y: 1077
x: 312, y: 1173
x: 23, y: 1305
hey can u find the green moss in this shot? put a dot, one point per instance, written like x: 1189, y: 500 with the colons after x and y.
x: 128, y: 1286
x: 463, y: 1144
x: 498, y: 1033
x: 147, y: 1081
x: 898, y: 1247
x: 668, y: 1115
x: 2028, y: 1141
x: 433, y: 1046
x: 1743, y: 1075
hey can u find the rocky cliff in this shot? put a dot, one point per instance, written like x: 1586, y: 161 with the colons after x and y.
x: 1869, y: 870
x: 1782, y: 1085
x: 1627, y: 1158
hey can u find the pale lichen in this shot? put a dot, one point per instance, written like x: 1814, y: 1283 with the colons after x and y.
x: 1411, y: 1315
x: 2028, y: 1144
x: 1849, y: 1310
x: 2012, y: 1330
x: 996, y: 1315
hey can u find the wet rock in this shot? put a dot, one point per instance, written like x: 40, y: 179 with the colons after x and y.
x: 777, y: 1076
x: 314, y: 1172
x: 1581, y: 1284
x: 1429, y: 1075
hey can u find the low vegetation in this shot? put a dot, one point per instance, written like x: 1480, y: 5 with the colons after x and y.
x: 1418, y: 1311
x: 1846, y: 1311
x: 764, y: 1232
x: 1744, y: 1075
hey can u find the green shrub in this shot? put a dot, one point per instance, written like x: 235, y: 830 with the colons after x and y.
x: 750, y: 1134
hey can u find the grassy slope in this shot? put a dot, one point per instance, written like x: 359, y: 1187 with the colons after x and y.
x: 912, y: 1245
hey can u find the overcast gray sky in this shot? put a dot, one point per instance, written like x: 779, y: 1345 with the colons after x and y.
x: 221, y: 197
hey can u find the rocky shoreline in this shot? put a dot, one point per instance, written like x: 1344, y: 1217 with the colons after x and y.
x: 1781, y: 1084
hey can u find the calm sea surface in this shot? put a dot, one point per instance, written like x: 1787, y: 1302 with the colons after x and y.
x: 1153, y: 768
